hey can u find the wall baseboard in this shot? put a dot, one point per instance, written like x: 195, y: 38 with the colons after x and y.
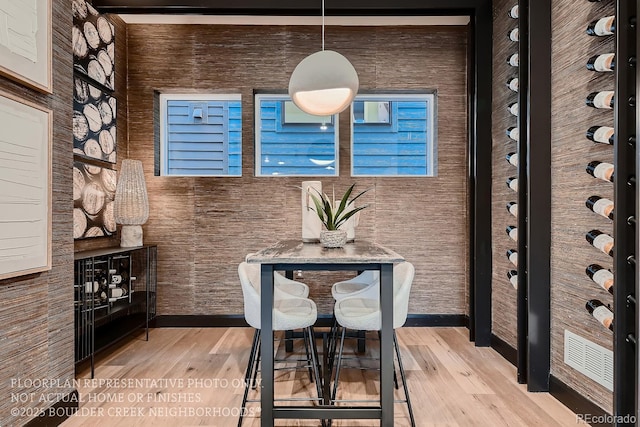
x: 434, y: 320
x: 56, y: 414
x: 583, y: 407
x: 237, y: 320
x: 505, y: 350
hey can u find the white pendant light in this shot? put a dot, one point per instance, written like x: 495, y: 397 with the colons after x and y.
x: 323, y: 83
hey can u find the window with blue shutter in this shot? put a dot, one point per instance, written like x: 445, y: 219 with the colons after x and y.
x: 201, y: 135
x: 394, y: 135
x: 290, y: 142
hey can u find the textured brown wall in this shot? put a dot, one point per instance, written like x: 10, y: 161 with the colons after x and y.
x: 36, y: 313
x: 571, y: 186
x: 205, y: 226
x: 503, y: 297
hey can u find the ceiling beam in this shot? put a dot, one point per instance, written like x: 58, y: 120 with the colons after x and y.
x: 292, y: 7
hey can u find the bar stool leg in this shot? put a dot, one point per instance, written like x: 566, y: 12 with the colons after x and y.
x: 404, y: 379
x: 314, y: 363
x: 247, y: 376
x: 337, y: 378
x: 333, y: 339
x: 254, y: 381
x: 306, y: 350
x: 395, y: 376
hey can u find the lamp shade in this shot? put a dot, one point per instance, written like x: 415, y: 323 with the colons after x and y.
x: 323, y: 83
x: 131, y: 202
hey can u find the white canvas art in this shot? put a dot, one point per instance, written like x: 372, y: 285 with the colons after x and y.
x: 25, y: 187
x: 25, y: 42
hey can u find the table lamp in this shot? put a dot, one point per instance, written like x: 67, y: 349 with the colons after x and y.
x: 131, y: 203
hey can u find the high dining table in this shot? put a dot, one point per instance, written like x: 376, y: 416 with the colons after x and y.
x: 294, y: 255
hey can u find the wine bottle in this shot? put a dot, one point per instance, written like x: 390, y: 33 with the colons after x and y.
x: 513, y: 12
x: 514, y: 60
x: 512, y: 255
x: 602, y: 27
x: 513, y: 278
x: 601, y: 312
x: 513, y: 84
x: 514, y: 133
x: 514, y: 109
x: 601, y: 241
x: 514, y: 35
x: 601, y: 170
x: 603, y: 99
x: 601, y: 276
x: 512, y: 232
x: 601, y: 206
x: 602, y: 63
x: 512, y: 207
x: 512, y: 183
x: 513, y: 159
x: 601, y: 134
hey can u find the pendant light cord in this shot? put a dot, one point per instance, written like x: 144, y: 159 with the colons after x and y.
x: 322, y: 24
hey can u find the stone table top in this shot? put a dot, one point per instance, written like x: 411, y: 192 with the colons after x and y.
x: 297, y: 252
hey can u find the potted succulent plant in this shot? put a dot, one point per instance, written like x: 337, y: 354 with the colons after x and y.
x: 333, y: 215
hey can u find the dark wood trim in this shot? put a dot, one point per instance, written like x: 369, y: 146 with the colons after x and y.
x: 325, y: 320
x: 584, y: 408
x: 538, y: 187
x: 471, y: 207
x: 505, y: 350
x: 480, y: 172
x: 199, y: 321
x: 157, y: 167
x: 292, y: 7
x: 436, y: 320
x: 625, y: 400
x: 57, y: 413
x: 523, y: 194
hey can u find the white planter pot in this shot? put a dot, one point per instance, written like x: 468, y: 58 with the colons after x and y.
x: 333, y: 238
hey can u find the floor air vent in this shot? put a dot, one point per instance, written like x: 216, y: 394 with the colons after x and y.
x: 591, y: 359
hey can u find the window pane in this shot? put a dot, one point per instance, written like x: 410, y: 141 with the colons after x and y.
x: 393, y: 135
x: 202, y: 135
x: 291, y: 142
x: 293, y: 115
x: 371, y: 112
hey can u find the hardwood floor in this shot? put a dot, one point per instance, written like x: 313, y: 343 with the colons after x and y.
x: 194, y: 377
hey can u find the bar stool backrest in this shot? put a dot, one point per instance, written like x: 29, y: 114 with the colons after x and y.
x: 403, y: 274
x: 250, y: 293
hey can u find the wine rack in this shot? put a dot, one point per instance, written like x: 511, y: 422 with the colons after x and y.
x: 115, y: 295
x: 504, y: 172
x: 520, y: 276
x: 513, y: 136
x: 625, y: 201
x: 598, y: 65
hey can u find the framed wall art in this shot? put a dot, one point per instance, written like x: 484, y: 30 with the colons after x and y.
x: 25, y: 187
x: 94, y: 190
x: 94, y: 122
x: 93, y: 41
x: 25, y: 42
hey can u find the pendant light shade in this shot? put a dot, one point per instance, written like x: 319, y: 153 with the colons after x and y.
x: 323, y: 83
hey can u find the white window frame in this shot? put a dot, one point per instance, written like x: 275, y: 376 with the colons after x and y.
x: 164, y: 99
x: 432, y: 132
